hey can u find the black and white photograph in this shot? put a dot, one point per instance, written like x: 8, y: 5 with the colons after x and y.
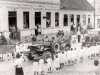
x: 49, y: 37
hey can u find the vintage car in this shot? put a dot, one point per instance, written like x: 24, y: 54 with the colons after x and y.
x: 48, y: 48
x: 89, y: 41
x: 92, y: 38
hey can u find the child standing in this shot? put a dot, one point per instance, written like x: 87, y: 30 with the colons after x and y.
x: 72, y: 56
x: 56, y: 63
x: 81, y: 55
x: 49, y: 61
x: 62, y: 60
x: 23, y: 56
x: 75, y: 56
x: 8, y: 56
x: 35, y: 67
x: 69, y: 57
x: 65, y: 57
x: 41, y: 68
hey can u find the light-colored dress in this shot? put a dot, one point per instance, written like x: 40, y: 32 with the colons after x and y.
x: 56, y: 63
x: 35, y: 66
x: 49, y: 61
x: 41, y: 64
x: 69, y: 55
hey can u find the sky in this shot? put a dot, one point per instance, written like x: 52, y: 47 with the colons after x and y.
x: 90, y: 1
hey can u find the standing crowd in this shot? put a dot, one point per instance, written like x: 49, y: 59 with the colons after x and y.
x: 60, y: 60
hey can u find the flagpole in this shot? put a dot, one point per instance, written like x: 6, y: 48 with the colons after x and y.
x: 94, y: 13
x: 52, y: 11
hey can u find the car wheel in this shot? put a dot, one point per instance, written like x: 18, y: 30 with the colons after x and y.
x: 56, y: 47
x: 46, y: 54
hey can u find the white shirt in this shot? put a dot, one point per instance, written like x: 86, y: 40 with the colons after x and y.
x: 56, y: 63
x: 35, y: 66
x: 97, y: 70
x: 73, y: 55
x: 69, y: 55
x: 18, y: 62
x: 41, y: 64
x: 59, y: 57
x: 81, y: 53
x: 49, y: 60
x: 63, y: 57
x: 65, y: 53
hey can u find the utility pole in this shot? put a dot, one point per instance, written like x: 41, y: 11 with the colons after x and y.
x: 94, y: 13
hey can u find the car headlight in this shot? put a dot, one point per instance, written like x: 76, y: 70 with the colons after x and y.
x: 42, y: 47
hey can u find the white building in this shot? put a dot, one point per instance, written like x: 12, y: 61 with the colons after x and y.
x: 53, y: 15
x: 97, y: 13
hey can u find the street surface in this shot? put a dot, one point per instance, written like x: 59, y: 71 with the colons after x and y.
x: 85, y: 68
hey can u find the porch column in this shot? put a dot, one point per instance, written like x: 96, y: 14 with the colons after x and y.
x: 43, y: 20
x: 69, y: 19
x: 32, y: 21
x: 4, y: 19
x: 52, y: 19
x: 86, y: 20
x: 75, y: 20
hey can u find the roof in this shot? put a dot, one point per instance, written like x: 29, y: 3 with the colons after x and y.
x: 76, y: 5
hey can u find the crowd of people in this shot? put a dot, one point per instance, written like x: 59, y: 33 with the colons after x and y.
x: 60, y: 33
x: 61, y: 59
x: 14, y: 33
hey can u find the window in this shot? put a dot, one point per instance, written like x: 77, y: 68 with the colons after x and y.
x: 98, y: 10
x: 84, y: 19
x: 48, y: 19
x: 72, y: 18
x: 65, y: 20
x: 56, y: 19
x: 98, y: 23
x: 26, y: 20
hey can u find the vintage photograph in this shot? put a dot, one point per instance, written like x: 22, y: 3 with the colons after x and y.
x: 49, y: 37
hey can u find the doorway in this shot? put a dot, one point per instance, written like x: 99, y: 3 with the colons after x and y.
x: 12, y: 21
x: 38, y: 23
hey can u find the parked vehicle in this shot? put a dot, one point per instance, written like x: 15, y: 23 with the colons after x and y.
x: 47, y: 49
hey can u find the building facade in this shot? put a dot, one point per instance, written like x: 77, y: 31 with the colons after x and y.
x: 97, y: 13
x: 51, y: 15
